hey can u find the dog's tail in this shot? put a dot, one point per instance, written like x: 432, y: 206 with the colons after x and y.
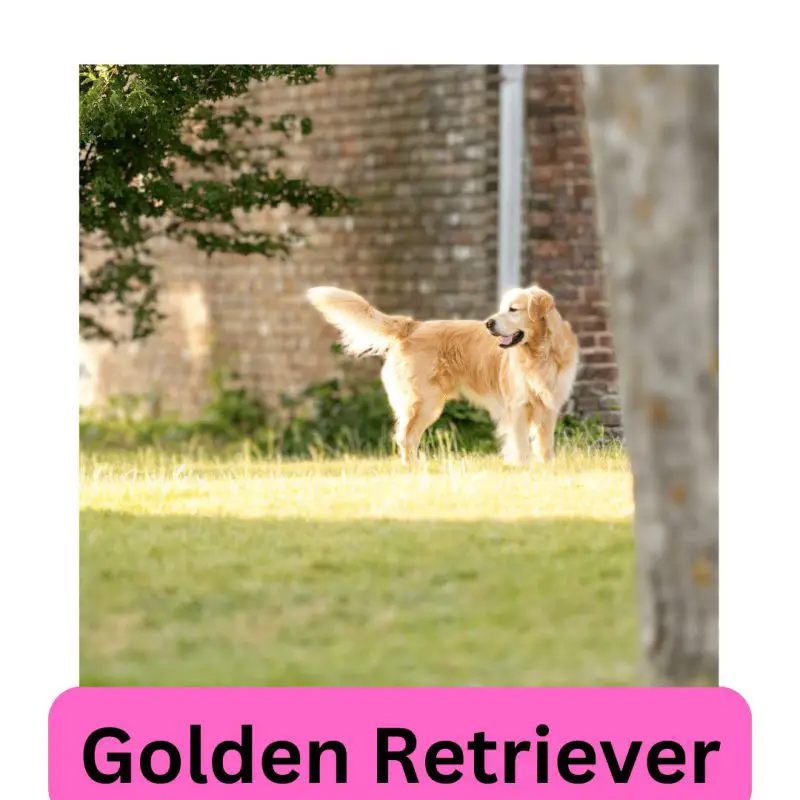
x: 364, y: 329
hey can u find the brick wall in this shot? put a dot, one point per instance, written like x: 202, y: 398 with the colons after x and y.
x: 562, y: 248
x: 418, y: 146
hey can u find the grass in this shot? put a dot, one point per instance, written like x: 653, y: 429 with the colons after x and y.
x: 356, y: 572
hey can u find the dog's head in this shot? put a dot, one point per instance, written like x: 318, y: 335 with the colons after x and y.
x: 522, y: 316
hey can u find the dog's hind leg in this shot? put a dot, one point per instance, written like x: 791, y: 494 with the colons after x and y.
x: 415, y: 408
x: 513, y: 432
x: 421, y: 414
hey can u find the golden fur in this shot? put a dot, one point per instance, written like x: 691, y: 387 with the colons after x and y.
x: 519, y: 365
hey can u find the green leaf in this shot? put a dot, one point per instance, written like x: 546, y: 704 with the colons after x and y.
x: 138, y: 123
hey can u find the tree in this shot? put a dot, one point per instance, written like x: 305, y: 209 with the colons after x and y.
x: 654, y: 140
x: 140, y: 124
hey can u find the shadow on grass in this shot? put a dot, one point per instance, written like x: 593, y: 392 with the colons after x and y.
x: 191, y: 600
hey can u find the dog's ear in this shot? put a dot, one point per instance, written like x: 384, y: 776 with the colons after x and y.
x: 540, y: 303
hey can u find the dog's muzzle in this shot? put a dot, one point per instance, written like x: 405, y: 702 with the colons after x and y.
x: 506, y: 341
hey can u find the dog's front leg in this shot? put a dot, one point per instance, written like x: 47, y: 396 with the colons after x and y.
x: 513, y: 430
x: 543, y: 430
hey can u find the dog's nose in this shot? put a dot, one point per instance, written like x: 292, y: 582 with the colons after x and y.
x: 490, y: 323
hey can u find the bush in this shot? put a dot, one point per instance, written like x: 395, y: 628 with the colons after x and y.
x: 330, y: 418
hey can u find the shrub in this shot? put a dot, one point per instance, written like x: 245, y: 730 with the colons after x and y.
x: 329, y: 418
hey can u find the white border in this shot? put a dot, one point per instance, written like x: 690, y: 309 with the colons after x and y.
x: 758, y: 425
x: 759, y: 288
x: 38, y: 405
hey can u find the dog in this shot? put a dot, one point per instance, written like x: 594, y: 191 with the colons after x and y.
x: 519, y: 364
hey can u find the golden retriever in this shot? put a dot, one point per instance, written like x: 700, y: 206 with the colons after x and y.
x: 519, y: 365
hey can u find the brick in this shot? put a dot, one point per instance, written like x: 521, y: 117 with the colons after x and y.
x: 612, y: 419
x: 604, y: 373
x: 605, y: 340
x: 597, y: 355
x: 587, y: 325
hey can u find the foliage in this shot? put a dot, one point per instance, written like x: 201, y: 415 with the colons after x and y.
x: 232, y: 414
x: 330, y: 418
x: 159, y: 158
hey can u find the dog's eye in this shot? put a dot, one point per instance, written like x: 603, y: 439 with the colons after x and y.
x: 512, y: 309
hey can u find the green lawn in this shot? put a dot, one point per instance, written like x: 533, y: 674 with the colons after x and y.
x: 356, y: 572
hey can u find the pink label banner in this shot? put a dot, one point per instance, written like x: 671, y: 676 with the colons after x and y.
x: 465, y: 743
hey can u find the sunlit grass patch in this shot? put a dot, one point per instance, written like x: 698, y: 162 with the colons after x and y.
x: 356, y: 571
